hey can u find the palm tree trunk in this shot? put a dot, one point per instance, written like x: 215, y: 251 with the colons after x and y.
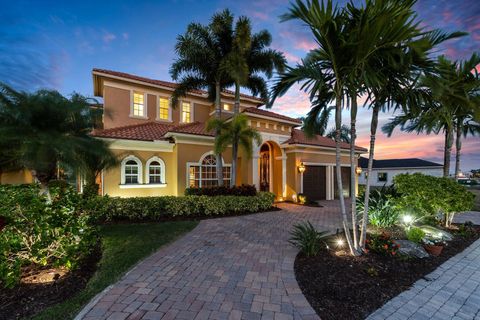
x: 338, y: 171
x: 458, y: 148
x: 371, y: 152
x: 447, y: 151
x: 353, y: 176
x: 236, y: 111
x: 218, y: 115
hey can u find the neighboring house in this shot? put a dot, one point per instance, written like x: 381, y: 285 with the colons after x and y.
x: 164, y: 150
x: 384, y: 171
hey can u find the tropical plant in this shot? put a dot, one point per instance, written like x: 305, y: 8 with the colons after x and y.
x: 307, y: 239
x: 455, y: 92
x: 248, y: 60
x: 237, y: 133
x: 201, y: 52
x: 426, y: 196
x: 316, y: 122
x: 47, y: 132
x: 415, y: 234
x: 382, y: 211
x: 382, y: 244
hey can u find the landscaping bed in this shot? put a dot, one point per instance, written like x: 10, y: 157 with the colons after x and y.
x: 42, y: 287
x: 347, y: 287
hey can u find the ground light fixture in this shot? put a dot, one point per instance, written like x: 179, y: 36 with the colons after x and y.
x: 340, y: 242
x: 408, y: 220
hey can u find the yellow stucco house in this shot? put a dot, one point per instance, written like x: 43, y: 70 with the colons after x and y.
x: 164, y: 150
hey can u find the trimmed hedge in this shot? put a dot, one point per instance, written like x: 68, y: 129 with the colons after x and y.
x: 243, y: 190
x: 168, y: 207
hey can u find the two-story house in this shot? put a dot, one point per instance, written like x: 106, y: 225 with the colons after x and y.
x: 164, y: 150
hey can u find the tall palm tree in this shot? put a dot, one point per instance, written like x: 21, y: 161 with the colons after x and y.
x: 235, y: 131
x: 249, y: 59
x: 201, y: 52
x: 452, y: 94
x: 46, y: 130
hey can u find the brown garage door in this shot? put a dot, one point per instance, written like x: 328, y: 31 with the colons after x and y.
x: 315, y: 182
x: 345, y: 182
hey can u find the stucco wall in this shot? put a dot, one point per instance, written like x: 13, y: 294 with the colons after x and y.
x: 391, y: 173
x: 16, y: 177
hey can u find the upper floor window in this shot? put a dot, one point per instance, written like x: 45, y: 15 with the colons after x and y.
x: 138, y: 108
x: 131, y: 170
x: 186, y: 112
x: 163, y: 109
x: 227, y: 107
x: 155, y: 171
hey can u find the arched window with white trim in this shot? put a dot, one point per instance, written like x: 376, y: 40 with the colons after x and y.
x: 204, y: 173
x: 131, y: 170
x: 155, y: 171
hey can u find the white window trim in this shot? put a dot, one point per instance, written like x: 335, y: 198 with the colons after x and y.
x: 162, y: 171
x: 145, y: 105
x: 191, y: 111
x: 122, y: 172
x: 199, y: 163
x: 169, y: 108
x: 378, y: 176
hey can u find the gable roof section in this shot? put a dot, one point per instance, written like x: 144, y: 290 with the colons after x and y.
x: 398, y: 163
x: 269, y: 114
x: 167, y: 84
x: 299, y: 137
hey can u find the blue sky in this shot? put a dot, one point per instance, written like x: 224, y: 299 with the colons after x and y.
x: 55, y: 44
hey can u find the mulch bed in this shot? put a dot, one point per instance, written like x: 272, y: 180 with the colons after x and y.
x: 346, y: 287
x: 27, y: 299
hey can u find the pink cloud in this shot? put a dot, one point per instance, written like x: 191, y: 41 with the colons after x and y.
x: 260, y: 15
x: 299, y: 41
x: 108, y: 37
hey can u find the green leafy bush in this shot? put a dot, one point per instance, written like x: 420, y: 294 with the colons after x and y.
x: 307, y: 239
x: 243, y: 190
x: 168, y: 207
x: 382, y: 209
x: 467, y: 229
x: 41, y: 233
x: 426, y: 196
x: 382, y: 244
x: 415, y: 234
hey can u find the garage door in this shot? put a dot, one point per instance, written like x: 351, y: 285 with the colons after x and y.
x: 315, y: 182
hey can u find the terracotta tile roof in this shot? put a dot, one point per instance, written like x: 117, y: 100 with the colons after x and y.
x: 166, y: 83
x: 299, y: 137
x: 149, y: 131
x: 266, y: 113
x: 197, y: 128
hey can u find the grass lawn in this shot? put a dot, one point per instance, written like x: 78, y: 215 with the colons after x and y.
x: 123, y: 245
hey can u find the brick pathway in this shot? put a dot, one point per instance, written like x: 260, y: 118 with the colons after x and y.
x: 452, y: 291
x: 227, y: 268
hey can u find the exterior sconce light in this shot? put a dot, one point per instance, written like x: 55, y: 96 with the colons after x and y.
x: 301, y: 168
x: 358, y: 170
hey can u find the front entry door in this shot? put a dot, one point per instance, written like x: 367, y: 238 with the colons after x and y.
x: 265, y: 168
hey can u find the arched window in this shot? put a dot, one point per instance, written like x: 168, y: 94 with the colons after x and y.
x: 204, y: 173
x: 131, y: 170
x: 155, y: 171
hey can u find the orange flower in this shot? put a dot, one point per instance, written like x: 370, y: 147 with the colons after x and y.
x: 393, y: 253
x: 385, y: 246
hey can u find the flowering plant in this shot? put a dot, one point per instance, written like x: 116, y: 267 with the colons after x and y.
x: 433, y: 242
x: 382, y: 244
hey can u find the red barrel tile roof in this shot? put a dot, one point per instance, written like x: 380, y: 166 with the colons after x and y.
x: 299, y: 137
x: 266, y: 113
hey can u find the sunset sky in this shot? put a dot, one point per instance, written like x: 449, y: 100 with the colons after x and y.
x: 55, y: 44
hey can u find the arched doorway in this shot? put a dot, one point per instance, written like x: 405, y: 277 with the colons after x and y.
x: 265, y: 169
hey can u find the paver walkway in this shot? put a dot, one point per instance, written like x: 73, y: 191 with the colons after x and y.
x: 452, y: 291
x: 227, y: 268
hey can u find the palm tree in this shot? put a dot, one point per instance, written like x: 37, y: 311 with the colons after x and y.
x: 201, y: 52
x: 234, y: 131
x: 316, y: 123
x: 249, y: 58
x: 453, y: 91
x: 45, y: 131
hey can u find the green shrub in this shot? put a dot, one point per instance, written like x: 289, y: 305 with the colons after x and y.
x: 467, y: 229
x: 427, y: 196
x: 382, y: 209
x: 41, y: 233
x: 415, y: 234
x: 168, y: 207
x: 243, y: 190
x: 307, y: 239
x: 382, y: 244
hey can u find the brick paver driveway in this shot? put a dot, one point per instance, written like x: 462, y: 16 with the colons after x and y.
x: 226, y: 268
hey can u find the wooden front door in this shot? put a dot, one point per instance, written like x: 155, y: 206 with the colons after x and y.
x: 265, y: 168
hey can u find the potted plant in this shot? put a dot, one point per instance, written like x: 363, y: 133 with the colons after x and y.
x: 433, y: 247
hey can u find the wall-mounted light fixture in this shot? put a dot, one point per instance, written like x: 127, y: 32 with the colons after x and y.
x: 301, y: 168
x: 358, y: 170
